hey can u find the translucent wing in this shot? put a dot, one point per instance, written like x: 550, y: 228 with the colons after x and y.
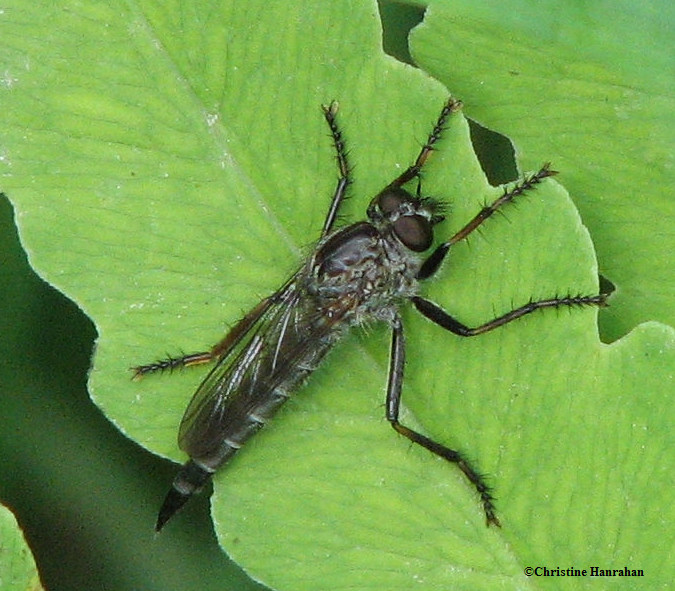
x: 256, y: 375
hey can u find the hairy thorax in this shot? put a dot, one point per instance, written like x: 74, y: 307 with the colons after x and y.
x: 360, y: 274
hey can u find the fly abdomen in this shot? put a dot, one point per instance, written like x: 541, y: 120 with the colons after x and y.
x: 245, y: 425
x: 267, y: 408
x: 194, y: 474
x: 190, y: 479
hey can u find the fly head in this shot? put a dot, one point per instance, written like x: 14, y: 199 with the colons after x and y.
x: 410, y: 219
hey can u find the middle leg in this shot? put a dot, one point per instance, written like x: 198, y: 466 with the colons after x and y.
x: 439, y: 316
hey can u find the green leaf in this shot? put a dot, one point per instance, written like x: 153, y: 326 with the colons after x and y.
x: 17, y: 566
x: 590, y: 86
x: 84, y: 494
x: 169, y: 168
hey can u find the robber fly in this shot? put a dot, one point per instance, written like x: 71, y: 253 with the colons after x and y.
x: 356, y: 274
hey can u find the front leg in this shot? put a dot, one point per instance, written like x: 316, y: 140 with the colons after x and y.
x: 433, y: 262
x: 344, y: 179
x: 451, y: 106
x: 394, y: 387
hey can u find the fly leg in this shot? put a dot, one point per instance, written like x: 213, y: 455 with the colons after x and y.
x: 171, y: 363
x: 433, y: 262
x: 451, y: 106
x: 394, y: 387
x: 439, y: 316
x: 221, y: 349
x: 344, y: 180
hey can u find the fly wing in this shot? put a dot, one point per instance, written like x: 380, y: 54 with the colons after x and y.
x: 201, y: 427
x: 243, y: 382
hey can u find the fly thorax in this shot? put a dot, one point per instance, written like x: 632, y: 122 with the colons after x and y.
x: 349, y: 266
x: 360, y: 271
x: 403, y: 264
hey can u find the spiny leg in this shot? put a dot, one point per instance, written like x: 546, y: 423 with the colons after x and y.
x: 234, y: 336
x: 330, y: 113
x: 433, y: 262
x: 171, y: 363
x: 219, y: 350
x: 451, y: 106
x: 394, y: 387
x: 439, y: 316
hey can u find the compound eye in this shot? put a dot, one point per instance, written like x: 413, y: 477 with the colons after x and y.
x: 414, y: 231
x: 391, y: 200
